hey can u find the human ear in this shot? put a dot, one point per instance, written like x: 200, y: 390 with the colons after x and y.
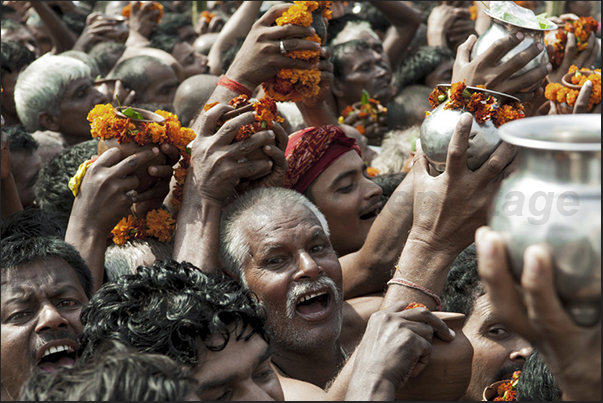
x: 48, y: 121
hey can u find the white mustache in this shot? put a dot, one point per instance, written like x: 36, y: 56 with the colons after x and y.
x: 298, y: 289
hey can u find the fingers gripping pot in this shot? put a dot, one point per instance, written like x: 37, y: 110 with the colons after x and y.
x: 503, y: 25
x: 140, y: 123
x: 554, y: 197
x: 490, y: 109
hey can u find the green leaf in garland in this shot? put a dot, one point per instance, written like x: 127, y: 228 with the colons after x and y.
x: 131, y: 113
x: 366, y: 97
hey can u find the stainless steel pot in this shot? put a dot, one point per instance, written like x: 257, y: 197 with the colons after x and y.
x: 437, y: 130
x: 554, y: 197
x: 501, y: 29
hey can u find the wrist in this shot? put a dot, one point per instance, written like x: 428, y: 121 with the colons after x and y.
x: 234, y: 74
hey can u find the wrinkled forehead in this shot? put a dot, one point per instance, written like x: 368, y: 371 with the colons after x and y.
x: 277, y: 216
x: 357, y: 32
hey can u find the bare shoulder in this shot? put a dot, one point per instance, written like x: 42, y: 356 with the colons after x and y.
x: 296, y: 390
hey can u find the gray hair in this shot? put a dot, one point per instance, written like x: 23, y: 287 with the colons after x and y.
x: 233, y: 245
x: 42, y: 85
x: 124, y: 259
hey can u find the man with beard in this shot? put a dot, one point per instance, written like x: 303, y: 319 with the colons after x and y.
x: 45, y: 284
x: 277, y: 243
x: 497, y: 351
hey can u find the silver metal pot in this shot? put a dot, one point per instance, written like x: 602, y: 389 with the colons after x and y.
x: 554, y: 197
x: 501, y: 29
x: 437, y: 130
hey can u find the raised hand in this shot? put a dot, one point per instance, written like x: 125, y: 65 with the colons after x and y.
x: 572, y: 353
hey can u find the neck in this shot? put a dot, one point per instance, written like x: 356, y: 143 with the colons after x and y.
x: 318, y: 368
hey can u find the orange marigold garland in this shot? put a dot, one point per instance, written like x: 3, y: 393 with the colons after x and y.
x: 295, y: 84
x: 370, y: 111
x: 581, y: 28
x: 561, y: 94
x: 266, y: 114
x: 105, y: 124
x: 506, y: 391
x: 127, y: 10
x: 207, y: 16
x: 484, y: 107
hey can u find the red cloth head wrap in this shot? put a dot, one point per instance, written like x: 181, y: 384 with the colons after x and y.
x: 311, y: 151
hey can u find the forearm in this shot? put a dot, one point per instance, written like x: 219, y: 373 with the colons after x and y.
x: 368, y: 270
x: 406, y: 20
x: 420, y: 264
x: 316, y: 116
x: 355, y: 384
x: 197, y: 237
x: 91, y: 244
x: 62, y: 38
x: 237, y: 26
x: 10, y: 197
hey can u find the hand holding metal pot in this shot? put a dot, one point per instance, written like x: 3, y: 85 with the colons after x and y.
x: 554, y: 197
x: 537, y: 314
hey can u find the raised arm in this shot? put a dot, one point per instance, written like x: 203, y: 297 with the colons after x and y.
x: 405, y: 20
x: 447, y: 210
x: 104, y: 197
x: 62, y: 38
x: 260, y: 58
x: 237, y: 26
x: 217, y: 168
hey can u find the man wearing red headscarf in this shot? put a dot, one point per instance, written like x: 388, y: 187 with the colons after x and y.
x: 327, y: 167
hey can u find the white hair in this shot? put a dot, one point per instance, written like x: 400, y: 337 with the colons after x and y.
x: 124, y: 259
x: 233, y: 244
x: 42, y: 85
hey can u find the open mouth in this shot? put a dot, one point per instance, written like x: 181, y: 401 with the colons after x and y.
x: 372, y: 213
x: 313, y: 304
x: 57, y: 356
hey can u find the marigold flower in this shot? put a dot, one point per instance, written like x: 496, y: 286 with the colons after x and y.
x: 128, y: 228
x: 297, y: 85
x: 207, y: 16
x: 484, y: 107
x: 372, y: 172
x: 127, y: 10
x: 160, y: 224
x: 581, y: 28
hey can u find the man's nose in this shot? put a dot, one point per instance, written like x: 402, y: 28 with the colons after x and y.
x: 50, y: 318
x: 521, y: 354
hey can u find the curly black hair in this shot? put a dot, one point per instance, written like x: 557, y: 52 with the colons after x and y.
x: 52, y: 186
x: 15, y: 56
x: 463, y: 284
x: 118, y: 373
x: 166, y: 308
x: 33, y: 222
x: 420, y: 63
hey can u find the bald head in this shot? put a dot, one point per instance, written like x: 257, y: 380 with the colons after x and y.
x: 192, y: 95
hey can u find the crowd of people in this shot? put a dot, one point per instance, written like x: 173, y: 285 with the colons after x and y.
x: 226, y: 200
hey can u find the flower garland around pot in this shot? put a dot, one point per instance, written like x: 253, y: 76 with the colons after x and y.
x: 560, y: 93
x: 483, y: 106
x: 106, y: 124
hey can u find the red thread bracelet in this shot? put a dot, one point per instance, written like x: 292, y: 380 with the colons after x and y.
x: 418, y: 287
x: 234, y: 86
